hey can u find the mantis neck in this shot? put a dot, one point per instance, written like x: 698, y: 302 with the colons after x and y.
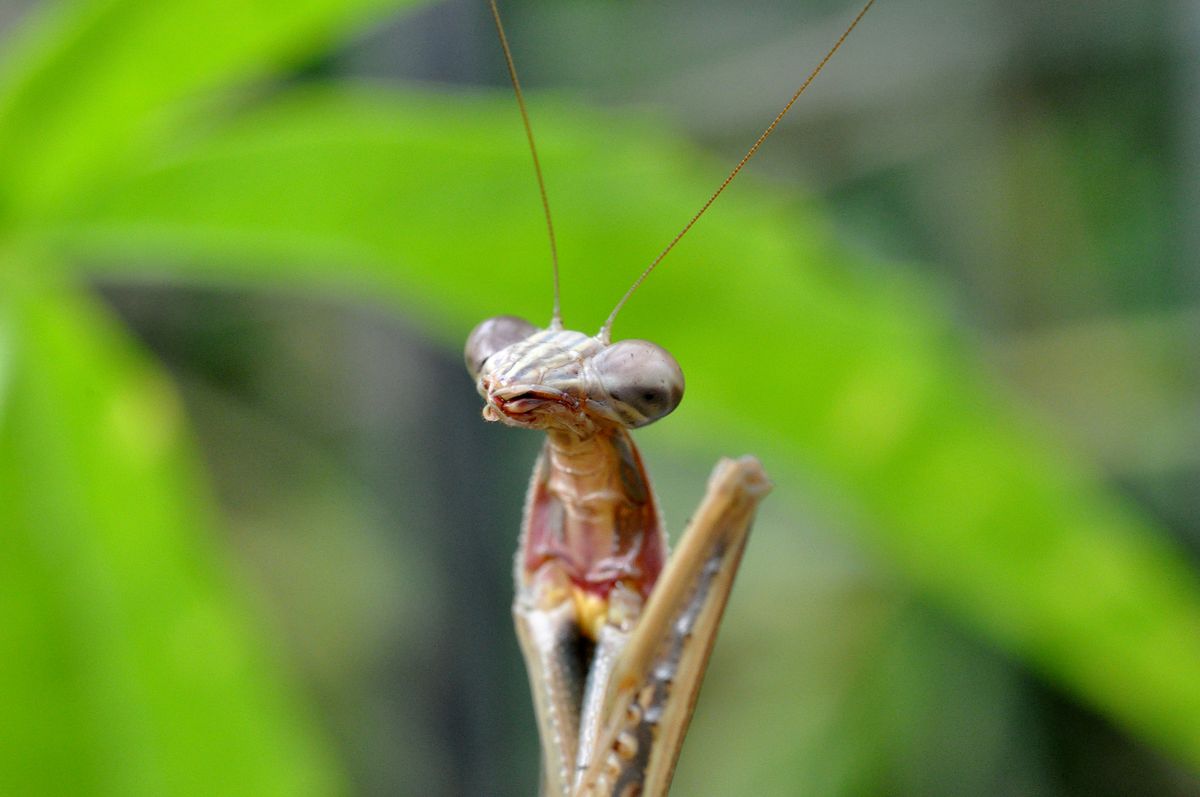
x: 592, y: 514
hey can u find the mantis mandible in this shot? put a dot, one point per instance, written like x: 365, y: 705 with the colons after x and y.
x: 615, y: 635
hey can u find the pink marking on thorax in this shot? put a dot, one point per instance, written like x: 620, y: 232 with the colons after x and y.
x: 593, y: 514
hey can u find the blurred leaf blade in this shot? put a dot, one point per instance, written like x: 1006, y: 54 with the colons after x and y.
x: 428, y: 204
x: 95, y: 79
x: 130, y: 667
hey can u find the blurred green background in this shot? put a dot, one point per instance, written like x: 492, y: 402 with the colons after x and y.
x: 255, y: 539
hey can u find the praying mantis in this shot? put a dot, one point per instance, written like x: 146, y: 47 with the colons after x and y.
x: 615, y: 634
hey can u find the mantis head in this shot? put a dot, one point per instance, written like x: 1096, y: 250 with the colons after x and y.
x: 557, y: 378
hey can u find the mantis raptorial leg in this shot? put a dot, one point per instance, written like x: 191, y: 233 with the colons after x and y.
x: 653, y: 685
x: 615, y: 636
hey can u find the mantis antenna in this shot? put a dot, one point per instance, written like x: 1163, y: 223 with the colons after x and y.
x: 605, y: 334
x: 556, y: 318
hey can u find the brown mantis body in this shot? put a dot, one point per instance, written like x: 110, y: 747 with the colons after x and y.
x: 615, y: 635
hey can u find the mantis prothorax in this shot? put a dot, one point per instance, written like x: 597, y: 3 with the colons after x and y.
x: 615, y: 635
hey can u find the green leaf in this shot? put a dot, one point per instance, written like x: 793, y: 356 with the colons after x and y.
x: 96, y: 80
x: 128, y: 667
x: 794, y: 346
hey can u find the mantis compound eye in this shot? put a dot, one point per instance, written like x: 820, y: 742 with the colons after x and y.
x: 642, y: 380
x: 491, y: 336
